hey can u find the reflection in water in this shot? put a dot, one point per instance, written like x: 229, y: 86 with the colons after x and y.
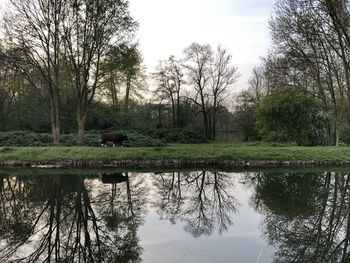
x: 306, y: 215
x: 202, y: 200
x: 74, y: 218
x: 58, y: 219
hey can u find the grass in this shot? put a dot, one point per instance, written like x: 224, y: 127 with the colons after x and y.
x: 205, y: 151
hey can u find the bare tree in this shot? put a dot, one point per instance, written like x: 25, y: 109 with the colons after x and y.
x: 257, y: 87
x: 170, y: 79
x: 33, y: 29
x: 211, y: 75
x: 222, y: 75
x: 198, y: 59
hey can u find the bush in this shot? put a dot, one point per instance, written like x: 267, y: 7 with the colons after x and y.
x: 345, y: 134
x: 25, y: 138
x: 177, y: 135
x: 139, y: 140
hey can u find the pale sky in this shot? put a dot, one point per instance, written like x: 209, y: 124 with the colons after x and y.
x: 169, y: 26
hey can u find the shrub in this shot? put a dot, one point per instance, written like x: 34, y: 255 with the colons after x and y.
x: 345, y: 134
x: 139, y: 140
x: 25, y: 138
x: 177, y: 135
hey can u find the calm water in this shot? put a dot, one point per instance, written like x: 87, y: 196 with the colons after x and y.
x: 174, y: 217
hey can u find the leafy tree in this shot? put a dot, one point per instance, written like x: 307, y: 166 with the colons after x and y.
x: 288, y: 116
x: 90, y: 29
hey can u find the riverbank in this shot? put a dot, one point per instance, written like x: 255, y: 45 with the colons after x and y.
x: 175, y: 155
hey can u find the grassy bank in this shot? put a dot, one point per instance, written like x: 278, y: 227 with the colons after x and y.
x: 206, y: 151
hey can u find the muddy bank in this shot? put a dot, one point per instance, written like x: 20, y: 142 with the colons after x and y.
x: 176, y: 163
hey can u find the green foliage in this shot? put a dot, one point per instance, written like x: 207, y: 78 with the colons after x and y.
x: 244, y: 122
x: 140, y: 140
x: 177, y: 135
x: 345, y: 134
x: 25, y: 138
x: 290, y: 117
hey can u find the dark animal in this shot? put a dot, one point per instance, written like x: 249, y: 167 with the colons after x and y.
x: 116, y: 138
x: 114, y: 178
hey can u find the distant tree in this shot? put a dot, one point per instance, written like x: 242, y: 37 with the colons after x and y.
x: 198, y: 59
x: 257, y: 86
x: 169, y: 76
x: 222, y: 77
x: 244, y: 116
x: 8, y: 90
x: 211, y: 75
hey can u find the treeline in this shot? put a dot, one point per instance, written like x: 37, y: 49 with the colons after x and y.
x: 74, y: 66
x: 301, y: 91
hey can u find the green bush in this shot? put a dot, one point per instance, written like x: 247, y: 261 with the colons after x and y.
x: 25, y: 138
x: 345, y: 134
x: 139, y: 140
x: 177, y: 135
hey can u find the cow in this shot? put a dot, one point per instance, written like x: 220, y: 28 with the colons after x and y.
x: 116, y: 138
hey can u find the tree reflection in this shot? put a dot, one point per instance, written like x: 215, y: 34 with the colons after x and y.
x: 203, y: 200
x: 306, y: 215
x: 69, y: 219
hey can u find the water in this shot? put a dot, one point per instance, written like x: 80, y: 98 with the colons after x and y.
x: 71, y: 216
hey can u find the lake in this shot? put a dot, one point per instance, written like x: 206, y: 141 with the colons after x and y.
x: 196, y: 216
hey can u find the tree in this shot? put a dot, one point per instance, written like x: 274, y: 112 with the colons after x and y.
x: 211, y: 75
x: 293, y: 117
x: 313, y: 38
x: 90, y: 28
x: 257, y: 88
x: 8, y: 90
x: 198, y: 59
x: 222, y: 77
x: 170, y: 79
x: 33, y: 31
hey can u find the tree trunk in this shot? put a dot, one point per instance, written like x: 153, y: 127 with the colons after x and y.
x: 206, y: 124
x: 55, y: 119
x: 81, y: 129
x: 173, y: 111
x: 160, y: 115
x: 336, y: 133
x: 205, y: 116
x: 214, y: 124
x: 178, y: 110
x: 210, y: 131
x: 55, y: 133
x: 127, y: 95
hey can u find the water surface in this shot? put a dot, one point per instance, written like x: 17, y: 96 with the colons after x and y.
x: 197, y: 216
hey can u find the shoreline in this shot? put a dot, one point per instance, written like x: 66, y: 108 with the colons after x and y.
x: 174, y: 163
x: 214, y: 155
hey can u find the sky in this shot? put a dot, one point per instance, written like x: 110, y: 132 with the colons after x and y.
x: 167, y: 27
